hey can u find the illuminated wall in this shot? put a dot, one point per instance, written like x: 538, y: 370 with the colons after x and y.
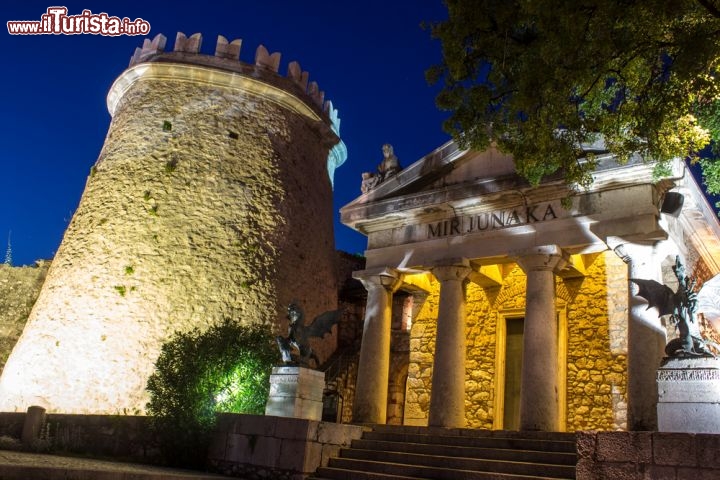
x: 199, y: 208
x: 593, y: 310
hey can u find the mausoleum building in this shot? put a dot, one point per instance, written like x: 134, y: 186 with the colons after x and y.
x: 514, y: 304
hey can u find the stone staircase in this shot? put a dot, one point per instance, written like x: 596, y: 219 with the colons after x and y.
x: 410, y: 453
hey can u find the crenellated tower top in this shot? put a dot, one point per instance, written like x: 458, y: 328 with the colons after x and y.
x: 227, y: 56
x: 294, y: 90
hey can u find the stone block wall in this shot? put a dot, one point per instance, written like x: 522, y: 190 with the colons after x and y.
x: 422, y: 351
x: 352, y: 298
x: 19, y: 288
x: 121, y: 437
x: 253, y: 446
x: 647, y: 455
x: 597, y: 344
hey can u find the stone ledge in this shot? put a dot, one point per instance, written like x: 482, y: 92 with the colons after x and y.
x: 281, y: 447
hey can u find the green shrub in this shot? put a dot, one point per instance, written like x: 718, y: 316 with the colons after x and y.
x: 223, y: 369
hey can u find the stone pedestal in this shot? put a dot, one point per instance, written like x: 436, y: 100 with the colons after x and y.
x: 689, y: 395
x: 296, y: 392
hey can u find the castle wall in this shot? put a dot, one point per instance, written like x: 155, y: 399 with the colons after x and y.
x: 19, y: 288
x: 210, y: 200
x: 595, y: 309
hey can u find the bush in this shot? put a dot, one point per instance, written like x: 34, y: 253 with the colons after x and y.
x: 223, y: 369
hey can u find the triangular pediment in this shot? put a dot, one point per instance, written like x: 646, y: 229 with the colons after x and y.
x: 445, y: 166
x: 446, y: 174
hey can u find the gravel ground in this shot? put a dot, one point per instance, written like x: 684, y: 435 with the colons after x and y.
x: 27, y: 466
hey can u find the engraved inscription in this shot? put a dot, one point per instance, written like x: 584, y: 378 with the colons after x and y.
x: 704, y: 374
x: 492, y: 220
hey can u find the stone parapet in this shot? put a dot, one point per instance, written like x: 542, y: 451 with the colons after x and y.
x: 126, y: 437
x: 275, y: 447
x: 644, y: 455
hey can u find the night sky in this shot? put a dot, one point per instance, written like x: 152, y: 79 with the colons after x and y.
x: 368, y: 56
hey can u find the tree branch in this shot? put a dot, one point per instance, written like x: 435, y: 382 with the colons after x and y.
x: 711, y: 9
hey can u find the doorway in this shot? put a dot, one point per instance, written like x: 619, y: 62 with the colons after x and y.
x: 514, y: 328
x: 508, y: 367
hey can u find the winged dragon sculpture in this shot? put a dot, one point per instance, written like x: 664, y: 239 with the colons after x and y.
x: 299, y: 335
x: 681, y: 305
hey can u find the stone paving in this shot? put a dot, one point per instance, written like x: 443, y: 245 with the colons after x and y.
x: 35, y: 466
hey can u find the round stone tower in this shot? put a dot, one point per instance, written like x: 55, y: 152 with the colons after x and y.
x: 211, y: 199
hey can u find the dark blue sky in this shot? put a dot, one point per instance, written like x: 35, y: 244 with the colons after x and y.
x: 368, y: 56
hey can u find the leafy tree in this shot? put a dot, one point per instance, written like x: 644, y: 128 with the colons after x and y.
x: 541, y: 77
x: 199, y: 373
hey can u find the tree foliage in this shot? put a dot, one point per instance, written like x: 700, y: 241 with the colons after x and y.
x: 542, y: 77
x: 199, y: 373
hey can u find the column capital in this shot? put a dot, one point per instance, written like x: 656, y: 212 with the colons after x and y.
x: 388, y: 278
x: 448, y: 273
x: 541, y: 258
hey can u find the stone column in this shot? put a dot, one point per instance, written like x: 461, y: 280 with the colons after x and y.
x: 447, y: 399
x: 539, y: 395
x: 371, y: 389
x: 646, y: 337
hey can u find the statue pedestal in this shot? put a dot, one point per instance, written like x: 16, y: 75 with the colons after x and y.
x: 689, y: 395
x: 296, y: 392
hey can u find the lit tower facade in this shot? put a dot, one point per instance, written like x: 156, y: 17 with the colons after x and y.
x: 211, y: 199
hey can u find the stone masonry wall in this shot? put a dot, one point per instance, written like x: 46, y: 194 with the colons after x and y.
x: 597, y: 348
x: 647, y: 455
x: 19, y: 288
x: 206, y: 203
x: 481, y: 327
x: 121, y: 437
x: 422, y: 351
x: 259, y: 447
x: 596, y: 311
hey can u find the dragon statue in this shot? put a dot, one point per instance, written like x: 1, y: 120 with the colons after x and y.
x: 299, y: 335
x: 681, y: 305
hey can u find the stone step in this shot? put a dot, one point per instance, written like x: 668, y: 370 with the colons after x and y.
x: 517, y: 455
x: 460, y: 463
x: 515, y: 442
x: 341, y: 468
x: 330, y: 473
x: 471, y: 432
x: 390, y: 452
